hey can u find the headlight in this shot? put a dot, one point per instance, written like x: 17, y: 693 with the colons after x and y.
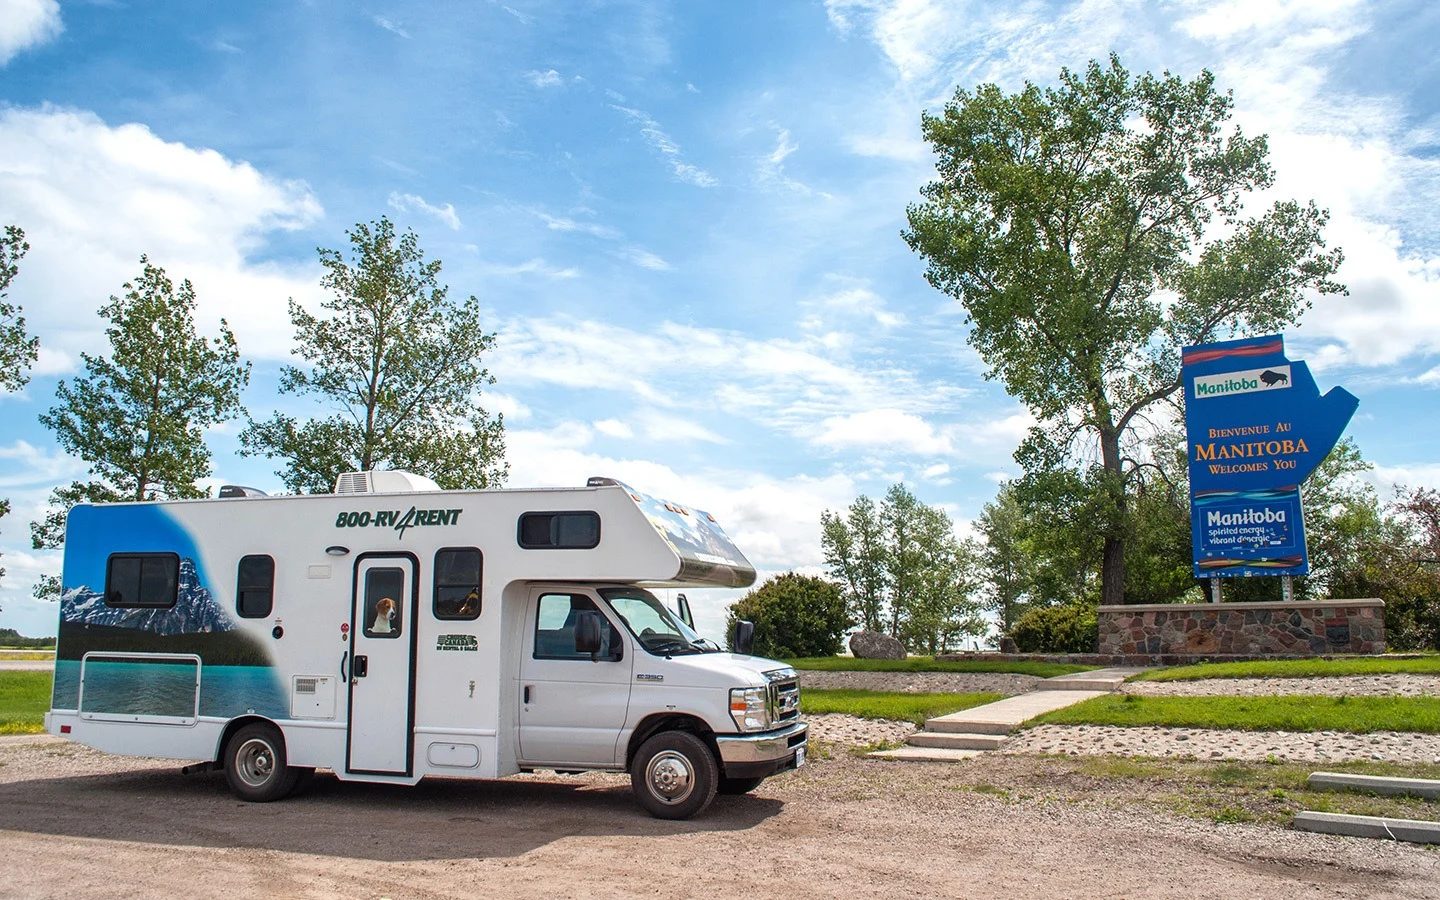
x: 750, y: 709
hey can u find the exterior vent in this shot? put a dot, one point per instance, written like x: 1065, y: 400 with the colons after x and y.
x: 231, y: 491
x: 305, y: 685
x: 354, y: 483
x: 383, y: 482
x: 599, y: 481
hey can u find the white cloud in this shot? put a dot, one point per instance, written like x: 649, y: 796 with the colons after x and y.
x: 546, y: 79
x: 935, y: 471
x: 657, y: 138
x: 93, y: 197
x: 391, y: 26
x: 564, y: 223
x: 522, y: 17
x: 883, y: 429
x: 645, y: 259
x: 536, y: 266
x: 845, y: 299
x: 27, y: 23
x: 614, y: 428
x: 1229, y: 18
x: 412, y: 203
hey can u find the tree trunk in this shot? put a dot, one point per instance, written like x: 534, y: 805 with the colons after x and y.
x: 1112, y: 563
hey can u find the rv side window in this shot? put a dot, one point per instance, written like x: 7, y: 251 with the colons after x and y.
x: 559, y: 530
x: 142, y: 579
x: 457, y: 583
x: 255, y: 587
x: 384, y: 592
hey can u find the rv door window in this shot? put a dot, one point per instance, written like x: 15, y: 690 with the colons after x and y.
x: 255, y: 586
x: 559, y: 530
x: 457, y: 583
x: 555, y: 628
x: 384, y: 592
x: 142, y: 580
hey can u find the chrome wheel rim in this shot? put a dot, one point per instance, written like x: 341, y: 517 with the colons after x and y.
x: 670, y: 776
x: 255, y: 762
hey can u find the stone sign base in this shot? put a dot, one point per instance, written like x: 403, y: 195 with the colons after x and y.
x: 1212, y: 630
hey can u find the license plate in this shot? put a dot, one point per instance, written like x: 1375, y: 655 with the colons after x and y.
x: 799, y: 757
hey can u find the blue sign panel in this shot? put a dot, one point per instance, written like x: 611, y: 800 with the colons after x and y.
x: 1256, y: 426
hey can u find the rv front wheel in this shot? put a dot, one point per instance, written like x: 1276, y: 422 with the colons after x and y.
x: 255, y: 764
x: 674, y: 775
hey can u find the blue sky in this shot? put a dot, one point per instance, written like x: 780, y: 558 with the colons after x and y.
x: 683, y: 219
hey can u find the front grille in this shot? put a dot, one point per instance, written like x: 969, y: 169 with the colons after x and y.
x: 783, y: 696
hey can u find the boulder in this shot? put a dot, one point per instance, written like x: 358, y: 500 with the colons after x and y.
x: 873, y: 645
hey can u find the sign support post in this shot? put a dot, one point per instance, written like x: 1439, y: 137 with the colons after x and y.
x: 1214, y: 588
x: 1287, y: 588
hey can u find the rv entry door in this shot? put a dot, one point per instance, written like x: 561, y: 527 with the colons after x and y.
x: 380, y: 669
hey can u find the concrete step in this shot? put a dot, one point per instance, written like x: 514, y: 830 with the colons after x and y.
x: 945, y: 724
x: 1375, y: 784
x: 1097, y: 680
x: 954, y: 741
x: 926, y: 754
x: 1411, y: 830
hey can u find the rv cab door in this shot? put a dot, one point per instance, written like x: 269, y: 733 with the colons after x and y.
x: 572, y: 704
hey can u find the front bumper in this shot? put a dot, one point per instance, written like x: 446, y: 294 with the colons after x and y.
x: 762, y: 755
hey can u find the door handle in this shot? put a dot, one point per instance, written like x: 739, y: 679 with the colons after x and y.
x: 525, y: 695
x: 344, y: 656
x: 361, y: 666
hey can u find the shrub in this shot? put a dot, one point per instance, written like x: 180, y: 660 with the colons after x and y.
x: 794, y: 615
x: 1071, y: 628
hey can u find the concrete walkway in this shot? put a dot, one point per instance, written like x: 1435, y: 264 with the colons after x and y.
x: 967, y: 733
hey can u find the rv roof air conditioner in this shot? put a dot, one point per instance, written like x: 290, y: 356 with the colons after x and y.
x: 229, y: 491
x: 382, y: 482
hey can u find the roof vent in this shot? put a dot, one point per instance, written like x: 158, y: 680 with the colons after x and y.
x: 599, y: 481
x: 383, y: 482
x: 229, y: 491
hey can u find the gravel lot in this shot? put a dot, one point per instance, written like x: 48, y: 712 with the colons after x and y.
x: 74, y: 822
x: 922, y: 682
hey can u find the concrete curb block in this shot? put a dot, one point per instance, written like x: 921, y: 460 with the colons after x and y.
x: 1410, y: 830
x: 1375, y: 784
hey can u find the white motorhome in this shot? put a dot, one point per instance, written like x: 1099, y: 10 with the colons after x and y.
x: 392, y: 631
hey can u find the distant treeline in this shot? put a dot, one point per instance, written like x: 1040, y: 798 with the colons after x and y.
x: 12, y: 639
x: 216, y: 648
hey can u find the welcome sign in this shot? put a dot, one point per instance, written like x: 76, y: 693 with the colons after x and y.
x: 1256, y: 426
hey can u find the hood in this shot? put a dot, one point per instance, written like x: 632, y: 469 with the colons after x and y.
x: 725, y: 670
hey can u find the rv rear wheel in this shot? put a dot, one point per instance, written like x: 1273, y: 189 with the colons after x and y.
x: 674, y: 775
x: 255, y: 764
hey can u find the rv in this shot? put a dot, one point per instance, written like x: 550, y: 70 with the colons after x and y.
x: 392, y: 631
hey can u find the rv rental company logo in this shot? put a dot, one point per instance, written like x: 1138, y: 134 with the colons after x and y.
x: 393, y: 519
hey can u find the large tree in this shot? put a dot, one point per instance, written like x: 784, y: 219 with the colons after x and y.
x: 138, y: 415
x: 402, y: 363
x: 1090, y: 230
x: 902, y: 570
x: 18, y: 348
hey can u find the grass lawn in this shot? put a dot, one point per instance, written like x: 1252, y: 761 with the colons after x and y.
x: 1296, y: 668
x: 30, y: 655
x: 899, y: 707
x: 930, y: 664
x: 1352, y: 714
x: 24, y: 698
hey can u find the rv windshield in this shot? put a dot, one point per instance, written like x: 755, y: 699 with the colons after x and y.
x: 657, y: 629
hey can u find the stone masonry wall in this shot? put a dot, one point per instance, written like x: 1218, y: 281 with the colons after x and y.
x: 1243, y: 629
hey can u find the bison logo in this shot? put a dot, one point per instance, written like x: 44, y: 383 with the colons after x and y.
x: 1273, y: 378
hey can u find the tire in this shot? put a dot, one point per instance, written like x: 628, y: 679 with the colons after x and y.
x: 737, y: 785
x: 674, y: 775
x: 255, y: 764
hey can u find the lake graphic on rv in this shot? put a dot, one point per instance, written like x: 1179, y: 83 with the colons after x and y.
x: 168, y: 689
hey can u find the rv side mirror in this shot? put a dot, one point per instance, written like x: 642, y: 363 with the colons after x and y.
x: 684, y: 605
x: 742, y: 640
x: 587, y: 633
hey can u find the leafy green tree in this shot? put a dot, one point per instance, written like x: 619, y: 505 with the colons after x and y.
x: 903, y: 571
x: 18, y: 349
x: 1091, y: 230
x: 138, y: 416
x: 402, y: 363
x: 795, y: 616
x: 855, y: 555
x: 1006, y: 560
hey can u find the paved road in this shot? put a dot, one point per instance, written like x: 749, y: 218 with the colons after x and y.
x: 27, y: 665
